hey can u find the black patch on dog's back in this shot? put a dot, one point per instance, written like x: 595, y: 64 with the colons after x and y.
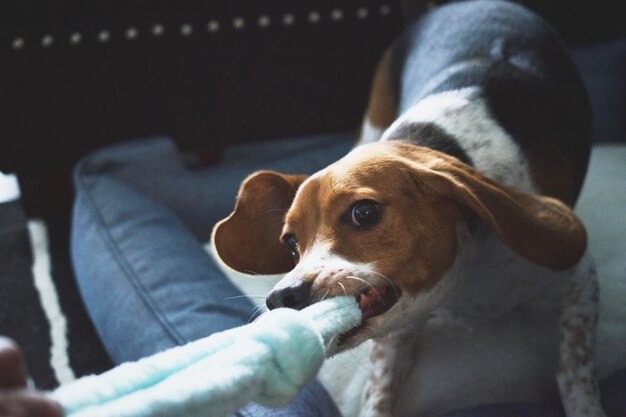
x: 431, y: 136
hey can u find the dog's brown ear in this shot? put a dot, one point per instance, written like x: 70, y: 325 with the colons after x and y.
x: 541, y: 229
x: 248, y: 240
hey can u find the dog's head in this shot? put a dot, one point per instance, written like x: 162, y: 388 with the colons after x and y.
x: 381, y: 224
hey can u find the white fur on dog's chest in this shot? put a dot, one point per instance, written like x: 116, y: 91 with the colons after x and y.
x: 492, y: 339
x: 461, y: 363
x: 464, y: 115
x: 468, y: 363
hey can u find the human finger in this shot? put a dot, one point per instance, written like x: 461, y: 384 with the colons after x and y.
x: 28, y: 403
x: 12, y: 369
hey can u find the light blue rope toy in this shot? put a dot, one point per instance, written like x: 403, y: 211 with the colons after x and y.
x: 267, y: 361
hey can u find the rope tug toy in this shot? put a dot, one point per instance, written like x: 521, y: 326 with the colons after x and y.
x: 267, y: 361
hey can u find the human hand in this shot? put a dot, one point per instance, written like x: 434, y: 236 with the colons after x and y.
x: 15, y: 399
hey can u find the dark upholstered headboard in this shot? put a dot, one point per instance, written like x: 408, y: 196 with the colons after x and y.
x: 81, y: 74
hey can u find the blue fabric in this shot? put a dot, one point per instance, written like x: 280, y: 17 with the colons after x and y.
x: 147, y: 283
x: 157, y: 169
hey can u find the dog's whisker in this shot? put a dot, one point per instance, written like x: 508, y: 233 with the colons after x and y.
x: 371, y: 286
x: 255, y: 311
x: 277, y: 209
x: 256, y: 274
x: 361, y: 280
x: 245, y: 296
x: 343, y: 287
x: 389, y: 281
x: 383, y: 276
x: 325, y: 294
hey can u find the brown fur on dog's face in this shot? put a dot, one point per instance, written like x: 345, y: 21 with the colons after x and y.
x: 414, y: 242
x: 422, y: 196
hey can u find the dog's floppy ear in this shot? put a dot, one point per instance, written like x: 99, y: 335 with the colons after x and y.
x: 248, y: 240
x: 541, y: 229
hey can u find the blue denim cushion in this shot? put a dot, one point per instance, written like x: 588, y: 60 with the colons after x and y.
x: 140, y: 216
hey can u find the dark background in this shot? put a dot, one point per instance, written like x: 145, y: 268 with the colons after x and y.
x: 205, y: 90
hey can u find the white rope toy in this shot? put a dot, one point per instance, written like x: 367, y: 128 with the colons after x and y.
x: 267, y: 361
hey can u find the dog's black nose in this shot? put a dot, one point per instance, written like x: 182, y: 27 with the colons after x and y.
x: 296, y: 296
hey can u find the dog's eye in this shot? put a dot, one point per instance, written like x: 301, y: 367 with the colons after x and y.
x: 292, y: 242
x: 365, y: 213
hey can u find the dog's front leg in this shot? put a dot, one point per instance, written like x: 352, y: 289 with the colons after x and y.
x: 385, y: 377
x: 579, y: 315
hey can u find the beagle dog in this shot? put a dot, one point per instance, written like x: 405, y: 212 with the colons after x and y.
x: 450, y: 221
